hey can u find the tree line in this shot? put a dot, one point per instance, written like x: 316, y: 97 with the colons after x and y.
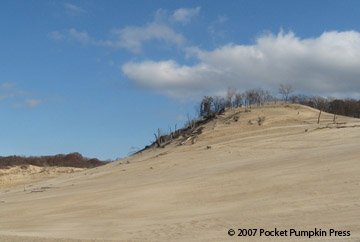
x: 70, y: 160
x: 346, y: 107
x: 210, y: 106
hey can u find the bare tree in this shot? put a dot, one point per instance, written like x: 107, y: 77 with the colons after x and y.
x: 300, y: 98
x: 238, y: 99
x: 229, y: 96
x: 191, y: 122
x: 158, y: 138
x: 251, y: 97
x: 268, y: 97
x: 259, y: 96
x: 293, y: 99
x: 320, y: 103
x: 206, y: 107
x: 285, y: 90
x: 219, y: 104
x: 337, y: 107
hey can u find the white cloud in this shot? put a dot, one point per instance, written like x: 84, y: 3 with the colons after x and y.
x: 7, y: 90
x: 184, y: 15
x: 171, y: 78
x: 327, y: 65
x: 216, y: 28
x: 73, y: 9
x: 222, y: 19
x: 132, y: 37
x: 7, y: 86
x: 29, y: 103
x: 82, y: 37
x: 161, y: 16
x: 5, y: 96
x: 56, y: 35
x: 72, y: 34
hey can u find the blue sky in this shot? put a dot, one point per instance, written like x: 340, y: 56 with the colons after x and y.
x: 99, y: 77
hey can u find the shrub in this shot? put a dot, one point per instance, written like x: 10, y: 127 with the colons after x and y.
x: 260, y: 120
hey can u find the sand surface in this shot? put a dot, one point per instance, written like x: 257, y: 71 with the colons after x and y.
x: 287, y: 173
x: 28, y: 174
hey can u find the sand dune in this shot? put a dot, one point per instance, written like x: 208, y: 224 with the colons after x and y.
x: 287, y: 173
x: 27, y: 174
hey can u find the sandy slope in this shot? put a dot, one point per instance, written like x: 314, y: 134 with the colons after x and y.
x: 274, y: 175
x: 27, y: 174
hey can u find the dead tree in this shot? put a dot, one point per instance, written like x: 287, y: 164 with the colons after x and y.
x: 219, y: 104
x: 191, y: 123
x: 319, y: 117
x: 229, y: 96
x: 285, y: 90
x: 238, y: 99
x: 157, y: 138
x: 206, y: 110
x: 321, y: 104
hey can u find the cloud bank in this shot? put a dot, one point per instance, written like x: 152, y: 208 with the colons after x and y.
x: 132, y: 37
x: 326, y: 65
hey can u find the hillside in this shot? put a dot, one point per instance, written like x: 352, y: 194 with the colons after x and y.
x: 288, y: 172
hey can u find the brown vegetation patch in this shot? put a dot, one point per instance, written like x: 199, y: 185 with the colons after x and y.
x: 69, y: 160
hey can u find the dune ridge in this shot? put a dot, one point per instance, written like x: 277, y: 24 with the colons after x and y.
x: 288, y: 172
